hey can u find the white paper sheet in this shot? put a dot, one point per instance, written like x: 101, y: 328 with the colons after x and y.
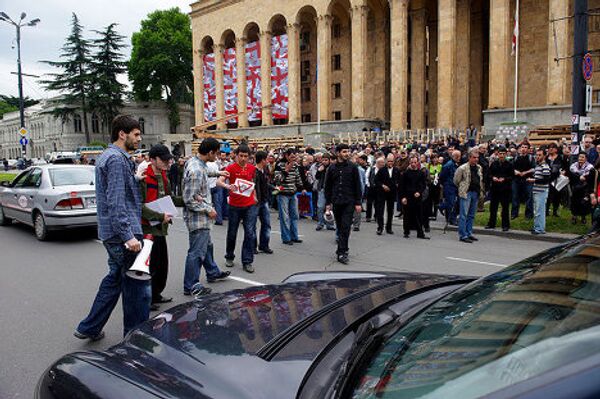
x: 243, y: 187
x: 163, y: 205
x: 561, y: 182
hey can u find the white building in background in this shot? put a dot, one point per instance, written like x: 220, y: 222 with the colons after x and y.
x: 48, y: 134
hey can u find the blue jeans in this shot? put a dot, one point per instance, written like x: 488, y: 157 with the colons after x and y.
x: 217, y: 200
x: 247, y: 216
x: 539, y: 210
x: 288, y: 217
x: 264, y: 215
x: 200, y: 253
x: 137, y: 294
x: 449, y: 205
x: 468, y: 208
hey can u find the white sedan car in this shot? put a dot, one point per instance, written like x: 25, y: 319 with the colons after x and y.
x: 50, y: 197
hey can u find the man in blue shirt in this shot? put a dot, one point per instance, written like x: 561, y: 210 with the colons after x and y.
x: 119, y: 210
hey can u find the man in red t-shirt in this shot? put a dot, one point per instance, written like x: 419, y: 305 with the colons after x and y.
x: 242, y: 207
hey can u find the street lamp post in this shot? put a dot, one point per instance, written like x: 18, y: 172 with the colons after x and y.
x: 4, y: 17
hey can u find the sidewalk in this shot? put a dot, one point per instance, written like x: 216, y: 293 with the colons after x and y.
x: 513, y: 234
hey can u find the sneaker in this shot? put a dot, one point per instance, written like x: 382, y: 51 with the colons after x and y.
x: 297, y: 241
x: 288, y: 243
x: 319, y: 228
x: 389, y: 231
x: 330, y: 228
x: 200, y: 290
x: 266, y: 251
x: 221, y: 276
x: 467, y: 240
x: 379, y: 232
x: 229, y: 262
x: 249, y: 268
x: 488, y: 227
x: 98, y: 337
x: 356, y: 229
x: 473, y: 238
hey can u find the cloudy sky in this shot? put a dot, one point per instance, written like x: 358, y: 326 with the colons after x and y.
x: 43, y: 42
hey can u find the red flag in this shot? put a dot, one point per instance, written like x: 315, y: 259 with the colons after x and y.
x: 515, y: 34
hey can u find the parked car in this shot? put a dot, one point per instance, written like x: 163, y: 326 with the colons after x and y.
x: 50, y: 197
x: 531, y: 330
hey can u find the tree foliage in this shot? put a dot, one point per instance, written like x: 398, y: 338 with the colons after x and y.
x: 73, y: 82
x: 5, y: 107
x: 14, y: 101
x: 107, y: 63
x: 161, y: 60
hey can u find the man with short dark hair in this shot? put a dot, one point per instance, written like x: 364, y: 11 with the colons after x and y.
x: 198, y: 214
x: 502, y: 173
x: 289, y: 180
x: 263, y: 194
x: 344, y: 196
x: 521, y: 186
x: 412, y: 185
x: 386, y: 184
x: 540, y: 180
x: 119, y: 211
x: 469, y: 180
x: 242, y: 207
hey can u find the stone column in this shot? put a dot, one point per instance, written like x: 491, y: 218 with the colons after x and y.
x: 265, y: 77
x: 417, y: 71
x: 295, y: 100
x: 240, y: 55
x: 463, y: 64
x: 220, y: 88
x: 359, y: 58
x: 399, y: 67
x: 557, y: 72
x: 501, y: 25
x: 324, y: 65
x: 199, y: 87
x: 446, y: 62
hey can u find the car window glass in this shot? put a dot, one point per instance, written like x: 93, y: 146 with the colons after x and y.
x: 72, y: 176
x: 20, y: 180
x: 34, y: 179
x: 500, y: 330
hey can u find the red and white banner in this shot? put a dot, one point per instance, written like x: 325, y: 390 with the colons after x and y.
x: 279, y: 76
x: 210, y: 88
x: 515, y: 33
x: 253, y: 90
x: 230, y: 83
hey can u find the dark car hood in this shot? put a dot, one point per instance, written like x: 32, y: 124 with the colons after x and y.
x: 255, y: 342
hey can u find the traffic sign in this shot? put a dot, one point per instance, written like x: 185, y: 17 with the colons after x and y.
x: 23, y: 141
x: 588, y: 67
x: 23, y: 131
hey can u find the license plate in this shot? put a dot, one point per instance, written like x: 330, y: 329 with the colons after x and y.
x: 90, y: 202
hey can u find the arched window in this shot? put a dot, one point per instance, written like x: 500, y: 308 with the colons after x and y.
x: 77, y: 123
x: 95, y: 124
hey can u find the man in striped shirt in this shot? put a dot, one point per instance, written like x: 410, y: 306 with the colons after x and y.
x: 541, y: 181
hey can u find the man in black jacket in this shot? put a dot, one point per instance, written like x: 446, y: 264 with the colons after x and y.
x: 263, y: 195
x: 501, y: 173
x: 343, y: 193
x: 412, y: 186
x: 386, y: 186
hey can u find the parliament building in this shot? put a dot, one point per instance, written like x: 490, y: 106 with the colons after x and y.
x: 397, y: 64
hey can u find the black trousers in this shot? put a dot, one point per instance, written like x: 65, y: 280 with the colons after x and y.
x: 371, y: 198
x: 159, y: 266
x: 343, y: 214
x: 413, y: 214
x: 502, y: 198
x: 553, y: 199
x: 384, y: 202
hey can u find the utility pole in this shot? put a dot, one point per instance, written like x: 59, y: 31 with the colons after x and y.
x: 4, y: 17
x: 580, y: 44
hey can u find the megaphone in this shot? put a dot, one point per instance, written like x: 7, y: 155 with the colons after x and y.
x: 328, y: 216
x: 140, y: 270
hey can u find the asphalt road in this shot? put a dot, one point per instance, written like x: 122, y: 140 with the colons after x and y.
x: 46, y: 288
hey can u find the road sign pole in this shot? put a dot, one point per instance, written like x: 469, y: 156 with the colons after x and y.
x: 580, y: 43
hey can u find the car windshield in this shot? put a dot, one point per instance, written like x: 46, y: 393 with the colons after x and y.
x: 500, y: 330
x: 72, y: 176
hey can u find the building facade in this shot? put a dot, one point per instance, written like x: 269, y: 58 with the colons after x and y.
x: 413, y: 63
x: 48, y: 134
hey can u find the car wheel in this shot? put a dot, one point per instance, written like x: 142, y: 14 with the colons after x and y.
x: 4, y: 221
x: 39, y: 225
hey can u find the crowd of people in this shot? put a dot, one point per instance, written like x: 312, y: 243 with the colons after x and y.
x: 337, y: 187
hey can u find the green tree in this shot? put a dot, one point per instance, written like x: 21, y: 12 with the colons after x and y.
x: 14, y: 101
x: 161, y: 60
x: 107, y: 63
x: 73, y: 82
x: 6, y: 107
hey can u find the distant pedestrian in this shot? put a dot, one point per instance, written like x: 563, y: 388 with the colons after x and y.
x: 501, y: 173
x: 412, y: 186
x: 344, y: 196
x: 540, y: 180
x: 289, y: 181
x: 469, y: 180
x: 263, y: 195
x: 119, y: 210
x: 386, y: 184
x: 449, y: 189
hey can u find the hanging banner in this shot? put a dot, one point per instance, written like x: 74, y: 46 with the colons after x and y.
x: 279, y: 76
x: 230, y: 83
x: 210, y: 89
x: 253, y: 90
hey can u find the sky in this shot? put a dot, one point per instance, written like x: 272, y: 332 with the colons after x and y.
x: 44, y: 41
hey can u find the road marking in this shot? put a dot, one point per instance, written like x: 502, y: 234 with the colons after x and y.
x: 279, y: 232
x: 475, y: 261
x: 245, y: 281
